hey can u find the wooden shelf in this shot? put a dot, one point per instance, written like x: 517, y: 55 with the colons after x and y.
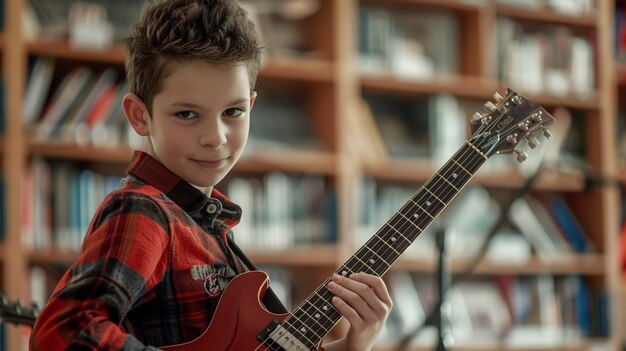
x: 297, y: 69
x: 582, y: 345
x: 454, y: 5
x: 419, y: 171
x: 62, y: 49
x: 546, y: 15
x: 316, y: 162
x: 586, y: 264
x: 308, y: 256
x: 461, y: 86
x: 284, y: 68
x: 314, y: 255
x: 253, y: 161
x: 469, y: 88
x: 72, y: 151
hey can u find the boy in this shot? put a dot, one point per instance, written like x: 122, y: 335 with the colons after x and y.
x: 155, y: 259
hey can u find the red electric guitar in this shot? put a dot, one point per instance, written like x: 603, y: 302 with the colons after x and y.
x: 241, y: 323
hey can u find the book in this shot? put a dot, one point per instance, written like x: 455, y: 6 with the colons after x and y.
x: 403, y: 124
x: 37, y: 88
x: 569, y: 224
x: 365, y: 140
x: 410, y: 311
x: 478, y: 313
x: 281, y: 122
x: 538, y: 231
x: 52, y: 16
x: 64, y: 99
x: 103, y: 83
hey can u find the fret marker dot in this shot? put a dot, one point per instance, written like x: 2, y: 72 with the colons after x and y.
x: 427, y: 203
x: 325, y: 308
x: 393, y: 238
x: 415, y: 215
x: 303, y: 330
x: 372, y: 261
x: 344, y: 273
x: 454, y: 175
x: 317, y: 315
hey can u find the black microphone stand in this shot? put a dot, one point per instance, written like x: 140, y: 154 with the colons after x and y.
x: 443, y: 279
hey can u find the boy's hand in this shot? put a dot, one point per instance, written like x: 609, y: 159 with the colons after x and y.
x: 364, y: 301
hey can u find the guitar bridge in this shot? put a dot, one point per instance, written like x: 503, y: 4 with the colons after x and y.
x: 277, y: 338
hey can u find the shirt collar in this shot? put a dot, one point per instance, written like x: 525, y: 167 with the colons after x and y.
x: 150, y: 171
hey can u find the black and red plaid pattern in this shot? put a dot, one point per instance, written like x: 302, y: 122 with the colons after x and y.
x: 151, y: 269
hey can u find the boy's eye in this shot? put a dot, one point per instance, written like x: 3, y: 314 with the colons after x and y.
x: 186, y: 114
x: 233, y: 112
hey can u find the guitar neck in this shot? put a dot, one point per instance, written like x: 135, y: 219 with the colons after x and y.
x: 315, y: 317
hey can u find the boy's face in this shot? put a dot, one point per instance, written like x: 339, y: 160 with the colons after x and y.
x: 200, y: 121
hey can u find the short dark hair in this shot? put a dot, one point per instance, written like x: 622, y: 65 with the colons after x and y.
x: 214, y: 31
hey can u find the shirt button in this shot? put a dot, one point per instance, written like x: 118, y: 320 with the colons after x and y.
x: 211, y: 208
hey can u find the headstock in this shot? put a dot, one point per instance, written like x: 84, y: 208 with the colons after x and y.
x: 507, y: 122
x: 16, y: 313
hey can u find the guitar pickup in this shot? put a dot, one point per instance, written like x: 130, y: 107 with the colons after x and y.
x: 277, y: 338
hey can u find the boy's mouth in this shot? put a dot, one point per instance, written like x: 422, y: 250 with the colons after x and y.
x: 209, y: 163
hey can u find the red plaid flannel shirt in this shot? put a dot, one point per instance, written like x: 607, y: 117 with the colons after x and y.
x: 151, y: 269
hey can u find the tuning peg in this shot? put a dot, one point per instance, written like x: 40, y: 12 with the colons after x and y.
x: 477, y: 116
x: 521, y: 155
x: 533, y: 142
x: 523, y: 127
x: 497, y: 96
x: 516, y: 100
x: 537, y: 116
x: 490, y: 106
x: 512, y: 139
x: 546, y: 133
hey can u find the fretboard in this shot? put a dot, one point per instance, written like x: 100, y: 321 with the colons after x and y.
x: 316, y: 316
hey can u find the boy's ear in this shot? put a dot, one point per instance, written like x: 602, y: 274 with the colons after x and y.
x: 136, y: 113
x: 252, y: 98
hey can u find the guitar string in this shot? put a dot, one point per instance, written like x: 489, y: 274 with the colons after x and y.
x: 411, y: 203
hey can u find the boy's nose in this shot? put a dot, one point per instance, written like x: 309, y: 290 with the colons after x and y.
x: 214, y: 136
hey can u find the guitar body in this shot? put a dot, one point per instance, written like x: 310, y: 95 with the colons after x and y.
x: 238, y: 319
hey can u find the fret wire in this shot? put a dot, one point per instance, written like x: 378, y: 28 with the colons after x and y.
x: 407, y: 219
x: 447, y: 181
x: 377, y: 255
x: 356, y: 257
x: 392, y: 236
x: 421, y: 208
x: 399, y: 232
x: 434, y: 195
x: 461, y: 166
x: 386, y: 255
x: 317, y: 317
x: 368, y: 255
x: 387, y: 244
x: 295, y: 319
x: 309, y: 336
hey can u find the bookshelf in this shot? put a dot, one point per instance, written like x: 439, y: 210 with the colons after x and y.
x: 329, y: 81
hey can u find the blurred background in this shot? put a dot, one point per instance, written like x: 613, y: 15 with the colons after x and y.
x: 360, y: 104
